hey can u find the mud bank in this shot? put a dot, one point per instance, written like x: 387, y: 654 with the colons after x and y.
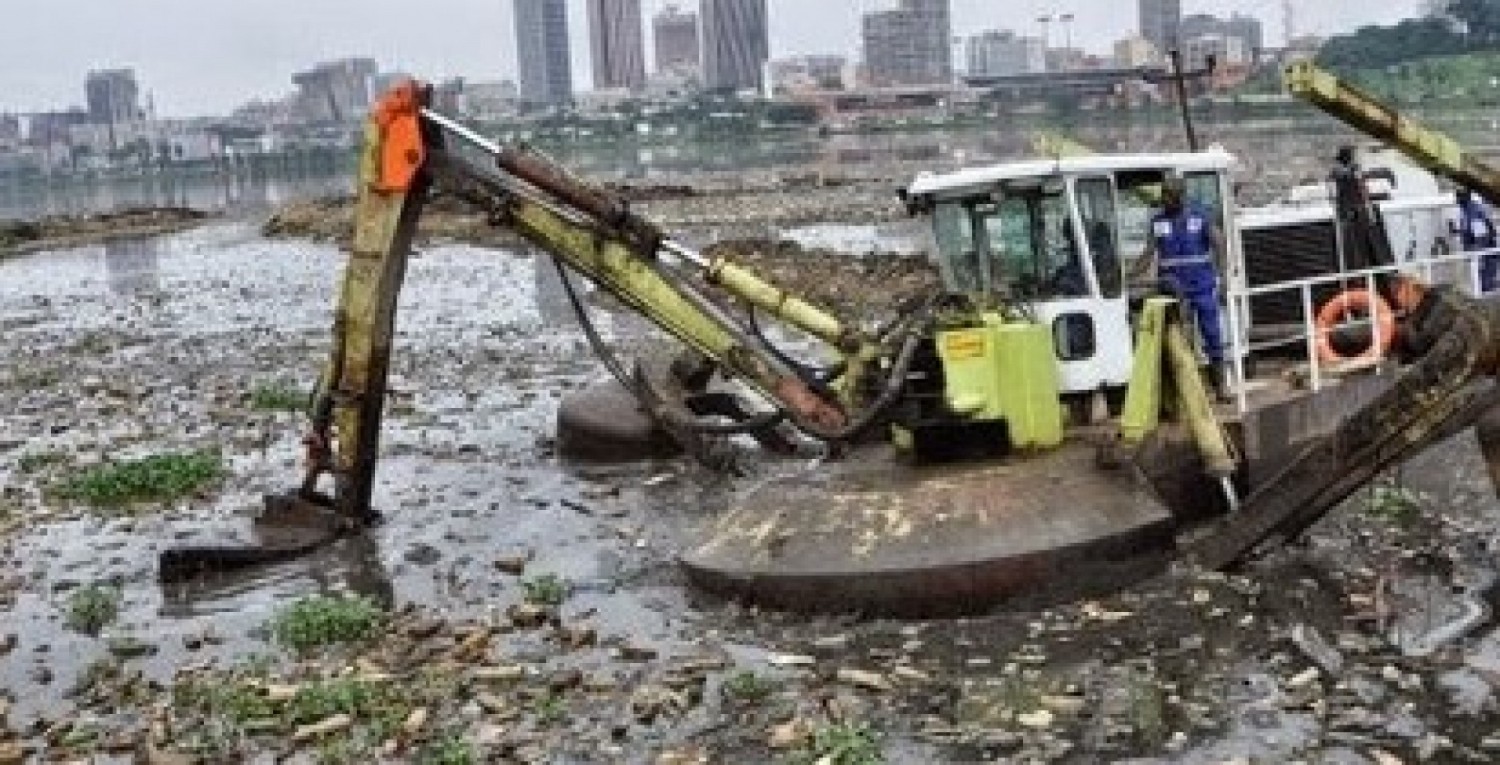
x: 678, y: 209
x: 857, y: 284
x: 67, y: 231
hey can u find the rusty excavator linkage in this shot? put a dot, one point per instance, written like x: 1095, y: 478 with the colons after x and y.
x: 1452, y: 343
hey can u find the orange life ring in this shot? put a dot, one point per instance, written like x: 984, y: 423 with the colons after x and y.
x: 1338, y: 309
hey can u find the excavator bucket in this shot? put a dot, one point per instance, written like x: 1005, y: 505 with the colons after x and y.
x: 349, y: 399
x: 291, y: 526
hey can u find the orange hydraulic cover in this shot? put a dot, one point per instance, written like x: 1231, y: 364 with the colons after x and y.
x: 401, y: 150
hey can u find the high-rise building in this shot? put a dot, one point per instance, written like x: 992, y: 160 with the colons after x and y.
x: 1161, y: 23
x: 542, y: 51
x: 909, y: 45
x: 1226, y: 50
x: 616, y: 40
x: 736, y: 44
x: 676, y: 35
x: 336, y: 91
x: 1135, y: 52
x: 801, y: 74
x: 113, y: 97
x: 1005, y: 53
x: 1247, y: 28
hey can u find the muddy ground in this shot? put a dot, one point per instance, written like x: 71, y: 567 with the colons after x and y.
x: 535, y: 612
x: 63, y: 231
x: 852, y: 279
x: 715, y: 211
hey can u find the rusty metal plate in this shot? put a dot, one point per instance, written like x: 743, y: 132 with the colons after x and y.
x: 878, y: 536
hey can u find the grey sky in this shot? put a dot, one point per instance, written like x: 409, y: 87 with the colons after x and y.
x: 206, y: 56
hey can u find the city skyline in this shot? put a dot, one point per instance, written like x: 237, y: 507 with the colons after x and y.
x: 194, y: 63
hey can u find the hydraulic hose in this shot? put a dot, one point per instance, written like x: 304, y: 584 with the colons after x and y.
x: 894, y: 385
x: 636, y: 388
x: 814, y: 377
x: 757, y: 423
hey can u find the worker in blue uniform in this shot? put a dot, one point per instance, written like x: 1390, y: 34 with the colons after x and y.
x: 1187, y: 251
x: 1476, y: 229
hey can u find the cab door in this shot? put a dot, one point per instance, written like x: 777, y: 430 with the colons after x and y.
x: 1091, y: 331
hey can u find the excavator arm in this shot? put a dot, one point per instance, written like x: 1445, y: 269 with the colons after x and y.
x: 1453, y: 340
x: 410, y: 151
x: 1438, y: 153
x: 1456, y: 341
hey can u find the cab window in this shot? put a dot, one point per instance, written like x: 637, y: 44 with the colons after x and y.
x: 1033, y: 251
x: 959, y: 260
x: 1203, y: 190
x: 1016, y: 241
x: 1139, y: 197
x: 1096, y: 209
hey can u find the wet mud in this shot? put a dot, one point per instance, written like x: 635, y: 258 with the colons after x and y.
x: 714, y: 213
x: 1360, y: 645
x: 64, y: 231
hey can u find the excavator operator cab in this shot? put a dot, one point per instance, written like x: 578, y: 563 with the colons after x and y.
x: 1016, y: 242
x: 1054, y: 242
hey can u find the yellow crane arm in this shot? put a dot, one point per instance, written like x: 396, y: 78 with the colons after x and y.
x: 1429, y: 148
x: 408, y: 149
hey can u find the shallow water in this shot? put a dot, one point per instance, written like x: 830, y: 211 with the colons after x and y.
x: 188, y: 322
x: 134, y: 348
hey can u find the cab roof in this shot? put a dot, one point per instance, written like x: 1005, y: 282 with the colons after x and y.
x: 976, y: 179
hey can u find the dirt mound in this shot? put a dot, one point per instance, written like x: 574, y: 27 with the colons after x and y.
x: 324, y: 219
x: 655, y: 191
x: 331, y: 219
x: 856, y: 286
x: 60, y: 231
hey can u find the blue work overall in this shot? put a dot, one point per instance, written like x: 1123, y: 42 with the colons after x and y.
x: 1477, y: 231
x: 1184, y: 262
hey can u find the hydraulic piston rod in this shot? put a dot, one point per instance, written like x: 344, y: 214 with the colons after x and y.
x: 737, y: 280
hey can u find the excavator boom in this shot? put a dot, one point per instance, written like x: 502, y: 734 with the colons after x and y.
x: 1452, y: 338
x: 1457, y: 342
x: 411, y: 151
x: 1429, y: 148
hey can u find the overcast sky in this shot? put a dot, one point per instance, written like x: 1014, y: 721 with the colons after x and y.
x: 207, y: 56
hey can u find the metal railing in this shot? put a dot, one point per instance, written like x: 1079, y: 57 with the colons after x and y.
x: 1310, y: 335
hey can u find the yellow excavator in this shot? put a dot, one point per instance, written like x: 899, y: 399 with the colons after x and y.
x: 959, y: 471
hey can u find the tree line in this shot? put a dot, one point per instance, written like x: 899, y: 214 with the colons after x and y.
x: 1464, y: 26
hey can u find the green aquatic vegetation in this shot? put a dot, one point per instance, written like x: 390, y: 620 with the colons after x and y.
x: 359, y: 699
x: 748, y: 687
x: 158, y: 478
x: 279, y: 396
x: 550, y: 709
x: 449, y: 749
x: 845, y: 743
x: 36, y: 462
x: 1393, y: 502
x: 546, y: 590
x: 322, y: 621
x: 92, y: 608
